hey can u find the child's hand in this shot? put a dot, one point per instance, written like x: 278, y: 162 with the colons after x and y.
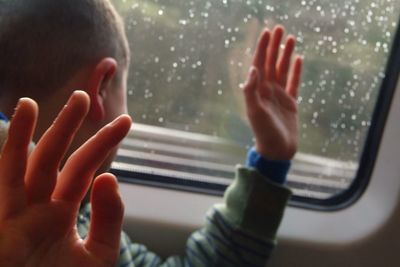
x: 270, y: 95
x: 39, y: 204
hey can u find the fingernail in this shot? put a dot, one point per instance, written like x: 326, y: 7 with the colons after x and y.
x: 79, y: 91
x: 74, y: 94
x: 114, y: 122
x: 22, y: 99
x: 71, y: 98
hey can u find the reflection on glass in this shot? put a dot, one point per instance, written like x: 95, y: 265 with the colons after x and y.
x: 189, y: 59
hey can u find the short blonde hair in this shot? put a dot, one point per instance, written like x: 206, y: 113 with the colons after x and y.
x: 43, y: 43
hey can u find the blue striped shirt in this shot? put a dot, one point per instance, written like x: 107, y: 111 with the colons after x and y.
x: 236, y: 233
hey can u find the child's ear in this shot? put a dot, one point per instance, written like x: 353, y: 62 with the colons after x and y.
x: 100, y: 79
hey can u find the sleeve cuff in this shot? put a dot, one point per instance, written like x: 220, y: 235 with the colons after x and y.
x: 274, y: 170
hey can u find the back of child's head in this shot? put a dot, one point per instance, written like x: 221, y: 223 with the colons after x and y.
x: 43, y: 43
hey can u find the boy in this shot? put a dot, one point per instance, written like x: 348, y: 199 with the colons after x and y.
x: 81, y: 44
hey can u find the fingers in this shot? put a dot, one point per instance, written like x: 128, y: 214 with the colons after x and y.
x: 44, y: 162
x: 272, y: 72
x: 284, y: 62
x: 106, y: 219
x: 261, y: 50
x: 14, y: 157
x: 273, y: 53
x: 295, y: 76
x: 78, y: 171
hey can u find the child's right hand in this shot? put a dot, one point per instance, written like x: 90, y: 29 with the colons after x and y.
x: 39, y: 205
x: 270, y: 96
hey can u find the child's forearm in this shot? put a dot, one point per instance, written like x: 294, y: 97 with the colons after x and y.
x: 240, y: 232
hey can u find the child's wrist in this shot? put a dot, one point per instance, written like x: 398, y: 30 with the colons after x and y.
x: 275, y: 170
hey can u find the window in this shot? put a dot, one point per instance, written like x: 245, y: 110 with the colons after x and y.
x: 189, y: 59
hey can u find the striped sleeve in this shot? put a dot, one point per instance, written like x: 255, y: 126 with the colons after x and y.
x: 239, y: 232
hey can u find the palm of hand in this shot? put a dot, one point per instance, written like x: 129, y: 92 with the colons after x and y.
x: 43, y: 235
x: 278, y: 112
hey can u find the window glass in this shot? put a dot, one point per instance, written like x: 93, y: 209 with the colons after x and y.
x: 190, y: 58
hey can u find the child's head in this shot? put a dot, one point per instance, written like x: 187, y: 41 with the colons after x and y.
x: 48, y: 48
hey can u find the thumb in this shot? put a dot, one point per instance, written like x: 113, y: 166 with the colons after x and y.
x: 250, y: 89
x: 104, y: 235
x: 251, y: 83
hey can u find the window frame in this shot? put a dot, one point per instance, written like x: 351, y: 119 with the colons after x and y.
x: 371, y: 144
x: 337, y: 202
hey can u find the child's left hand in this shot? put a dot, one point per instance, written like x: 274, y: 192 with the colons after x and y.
x: 270, y: 96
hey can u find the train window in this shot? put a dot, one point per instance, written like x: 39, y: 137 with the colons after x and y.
x: 189, y: 59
